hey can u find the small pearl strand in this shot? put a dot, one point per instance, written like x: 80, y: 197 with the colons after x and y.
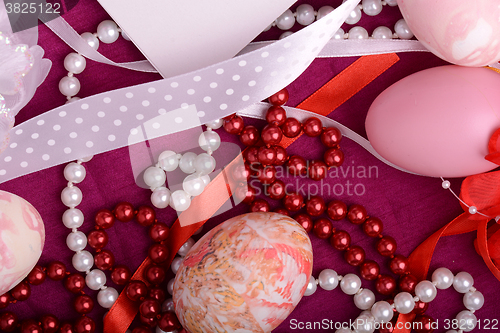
x: 83, y: 261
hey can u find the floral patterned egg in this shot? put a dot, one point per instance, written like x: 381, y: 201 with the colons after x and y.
x: 22, y: 235
x: 245, y: 275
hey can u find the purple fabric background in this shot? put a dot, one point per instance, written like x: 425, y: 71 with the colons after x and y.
x: 411, y: 207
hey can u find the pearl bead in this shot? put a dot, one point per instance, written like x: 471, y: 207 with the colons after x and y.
x: 472, y: 209
x: 180, y: 200
x: 83, y: 261
x: 184, y: 249
x: 209, y: 140
x: 328, y: 279
x: 107, y: 297
x: 91, y: 40
x: 168, y: 160
x: 69, y: 86
x: 392, y: 3
x: 72, y: 99
x: 74, y: 172
x: 286, y: 34
x: 382, y: 33
x: 382, y: 311
x: 170, y: 286
x: 74, y: 63
x: 176, y: 264
x: 425, y: 291
x: 358, y: 33
x: 85, y: 159
x: 365, y: 299
x: 350, y: 284
x: 154, y: 177
x: 305, y: 14
x: 446, y: 184
x: 365, y: 323
x: 204, y: 164
x: 286, y: 20
x: 125, y: 36
x: 372, y: 7
x: 187, y: 162
x: 73, y: 218
x: 168, y: 305
x: 193, y: 185
x: 107, y: 31
x: 402, y: 29
x: 443, y: 278
x: 95, y: 279
x: 339, y: 35
x: 160, y: 198
x: 354, y: 16
x: 323, y: 11
x: 343, y: 330
x: 311, y: 286
x: 206, y: 179
x: 467, y: 321
x: 76, y: 241
x: 71, y: 196
x: 462, y: 282
x: 473, y: 300
x: 215, y: 124
x: 404, y: 302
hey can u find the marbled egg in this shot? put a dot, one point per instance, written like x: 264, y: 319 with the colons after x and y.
x: 245, y: 275
x: 22, y: 235
x: 437, y: 122
x: 462, y: 32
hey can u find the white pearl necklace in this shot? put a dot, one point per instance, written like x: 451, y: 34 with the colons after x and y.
x: 381, y: 312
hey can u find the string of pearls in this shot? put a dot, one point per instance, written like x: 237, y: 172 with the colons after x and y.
x: 197, y: 166
x: 381, y: 312
x: 107, y: 32
x: 83, y: 260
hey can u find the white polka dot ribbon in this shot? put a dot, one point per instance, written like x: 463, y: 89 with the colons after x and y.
x: 115, y: 119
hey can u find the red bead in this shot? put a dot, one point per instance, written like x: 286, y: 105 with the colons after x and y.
x: 146, y: 216
x: 98, y: 239
x: 8, y: 321
x: 323, y: 228
x: 74, y: 283
x: 56, y: 270
x: 124, y: 211
x: 50, y: 324
x: 168, y: 322
x: 83, y: 304
x: 313, y: 126
x: 296, y: 166
x: 276, y: 115
x: 399, y: 265
x: 282, y: 211
x: 420, y: 308
x: 355, y: 255
x: 5, y: 300
x: 279, y: 98
x: 84, y: 324
x: 271, y: 134
x: 333, y: 157
x: 369, y: 270
x: 424, y: 324
x: 373, y: 227
x: 241, y: 172
x: 36, y: 276
x: 259, y: 205
x: 336, y: 210
x: 21, y: 292
x: 154, y: 274
x: 293, y: 202
x: 30, y: 326
x: 408, y: 283
x: 157, y: 294
x: 141, y: 329
x: 249, y: 136
x: 158, y: 232
x: 121, y: 275
x: 136, y: 290
x: 386, y: 246
x: 66, y: 328
x: 251, y: 155
x: 234, y: 125
x: 149, y: 308
x: 276, y: 190
x: 357, y: 214
x: 104, y: 219
x: 267, y: 174
x: 104, y: 260
x: 305, y: 221
x: 244, y: 193
x: 151, y: 322
x: 281, y: 155
x: 291, y: 127
x: 315, y: 206
x: 331, y: 137
x: 317, y: 170
x: 385, y: 284
x: 266, y: 155
x: 340, y: 240
x: 158, y: 253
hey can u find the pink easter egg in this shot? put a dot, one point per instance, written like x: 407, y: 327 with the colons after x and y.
x: 22, y: 235
x: 437, y: 122
x: 462, y: 32
x: 245, y: 275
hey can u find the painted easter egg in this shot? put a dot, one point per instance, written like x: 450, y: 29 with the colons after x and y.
x: 22, y: 235
x: 437, y: 122
x: 462, y: 32
x: 245, y: 275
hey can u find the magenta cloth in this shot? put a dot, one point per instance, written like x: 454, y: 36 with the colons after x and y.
x: 411, y: 207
